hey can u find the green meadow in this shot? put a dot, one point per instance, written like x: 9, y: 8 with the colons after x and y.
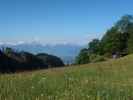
x: 109, y: 80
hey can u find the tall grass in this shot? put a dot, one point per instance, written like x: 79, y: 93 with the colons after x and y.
x: 112, y: 80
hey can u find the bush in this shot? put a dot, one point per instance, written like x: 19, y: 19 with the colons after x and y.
x: 96, y: 58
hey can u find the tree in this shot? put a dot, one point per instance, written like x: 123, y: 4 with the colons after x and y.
x: 83, y: 57
x: 130, y: 44
x: 12, y: 61
x: 50, y: 60
x: 123, y: 24
x: 111, y: 41
x: 116, y: 39
x: 94, y: 46
x: 130, y: 40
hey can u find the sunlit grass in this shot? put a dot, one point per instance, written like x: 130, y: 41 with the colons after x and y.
x: 112, y: 80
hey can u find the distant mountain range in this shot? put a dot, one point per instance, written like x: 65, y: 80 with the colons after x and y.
x: 67, y: 52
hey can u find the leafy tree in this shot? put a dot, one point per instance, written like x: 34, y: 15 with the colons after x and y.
x: 12, y: 61
x: 130, y: 39
x: 116, y: 39
x: 130, y: 44
x: 114, y: 42
x: 83, y: 57
x: 123, y: 24
x: 50, y: 60
x: 94, y: 46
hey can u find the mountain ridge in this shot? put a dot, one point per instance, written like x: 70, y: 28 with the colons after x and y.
x: 67, y: 52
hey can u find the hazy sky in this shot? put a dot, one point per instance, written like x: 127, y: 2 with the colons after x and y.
x: 59, y: 21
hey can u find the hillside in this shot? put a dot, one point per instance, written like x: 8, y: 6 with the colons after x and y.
x: 12, y: 61
x: 67, y: 52
x: 111, y: 80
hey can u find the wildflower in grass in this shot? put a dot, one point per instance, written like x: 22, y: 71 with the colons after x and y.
x: 32, y: 87
x: 49, y: 97
x: 66, y: 93
x: 37, y: 98
x: 42, y: 95
x: 86, y: 81
x: 70, y: 79
x: 88, y: 96
x: 44, y: 78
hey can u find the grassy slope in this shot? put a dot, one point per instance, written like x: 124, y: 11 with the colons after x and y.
x: 112, y: 80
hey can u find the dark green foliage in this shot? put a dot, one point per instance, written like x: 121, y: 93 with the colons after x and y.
x: 130, y: 40
x: 50, y: 60
x: 118, y: 41
x: 130, y: 44
x: 126, y: 27
x: 11, y: 61
x: 4, y: 62
x: 83, y: 57
x: 94, y: 46
x: 114, y: 42
x: 119, y: 38
x: 124, y: 23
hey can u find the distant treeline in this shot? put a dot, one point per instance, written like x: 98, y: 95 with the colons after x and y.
x: 116, y: 42
x: 12, y: 61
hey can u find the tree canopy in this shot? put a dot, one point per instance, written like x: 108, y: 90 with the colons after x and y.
x: 12, y: 61
x: 117, y: 40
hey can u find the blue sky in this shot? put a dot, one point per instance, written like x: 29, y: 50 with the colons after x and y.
x: 59, y: 21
